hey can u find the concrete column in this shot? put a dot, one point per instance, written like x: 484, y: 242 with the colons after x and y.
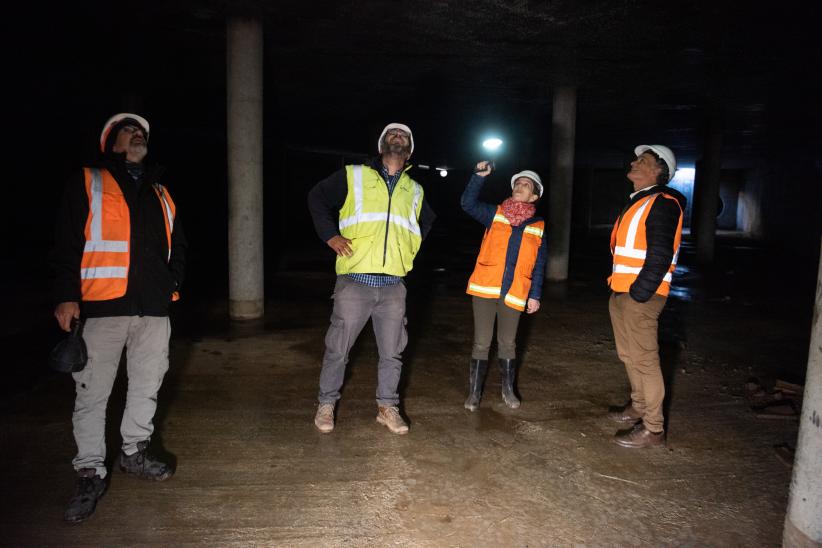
x: 561, y: 182
x: 803, y: 522
x: 244, y: 91
x: 707, y: 190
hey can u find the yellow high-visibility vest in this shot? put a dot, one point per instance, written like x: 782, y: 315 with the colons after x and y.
x: 384, y: 230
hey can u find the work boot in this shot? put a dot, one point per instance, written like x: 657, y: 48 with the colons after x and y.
x: 390, y: 417
x: 508, y: 370
x: 87, y: 491
x: 476, y: 378
x: 638, y: 437
x: 627, y: 414
x: 144, y: 465
x: 324, y: 418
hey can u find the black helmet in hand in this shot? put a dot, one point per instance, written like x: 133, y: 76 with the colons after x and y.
x: 70, y: 355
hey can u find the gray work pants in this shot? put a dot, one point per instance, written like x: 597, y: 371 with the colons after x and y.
x: 146, y: 342
x: 354, y: 303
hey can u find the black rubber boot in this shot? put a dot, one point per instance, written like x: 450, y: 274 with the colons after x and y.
x: 476, y: 378
x: 508, y: 372
x: 144, y: 465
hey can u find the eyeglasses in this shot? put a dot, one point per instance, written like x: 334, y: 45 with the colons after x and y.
x: 397, y: 132
x: 132, y: 129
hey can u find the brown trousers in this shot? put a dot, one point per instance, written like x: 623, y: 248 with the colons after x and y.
x: 635, y: 331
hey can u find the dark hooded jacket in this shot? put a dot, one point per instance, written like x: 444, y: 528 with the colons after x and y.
x: 152, y: 277
x: 660, y: 231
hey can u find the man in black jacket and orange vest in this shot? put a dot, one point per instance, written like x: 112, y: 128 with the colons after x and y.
x: 119, y: 260
x: 645, y: 247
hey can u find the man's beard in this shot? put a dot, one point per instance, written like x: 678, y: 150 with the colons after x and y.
x: 138, y: 150
x: 397, y: 148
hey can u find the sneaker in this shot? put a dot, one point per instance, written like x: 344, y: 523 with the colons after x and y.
x: 324, y: 419
x: 145, y: 466
x: 390, y: 417
x: 89, y: 488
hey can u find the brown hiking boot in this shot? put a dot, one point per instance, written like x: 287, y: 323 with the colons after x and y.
x: 324, y: 419
x: 390, y: 417
x: 638, y: 437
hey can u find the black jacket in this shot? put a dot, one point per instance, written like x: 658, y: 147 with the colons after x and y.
x: 660, y: 230
x: 151, y: 277
x: 328, y: 196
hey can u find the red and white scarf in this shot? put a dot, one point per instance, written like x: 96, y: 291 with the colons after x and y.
x: 517, y: 212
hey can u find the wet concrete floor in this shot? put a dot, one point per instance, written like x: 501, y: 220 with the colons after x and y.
x: 236, y: 416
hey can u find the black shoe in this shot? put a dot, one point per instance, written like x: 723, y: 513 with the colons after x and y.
x: 508, y: 371
x: 88, y: 490
x: 144, y: 465
x: 476, y: 378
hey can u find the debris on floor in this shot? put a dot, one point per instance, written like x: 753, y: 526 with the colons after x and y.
x: 783, y: 401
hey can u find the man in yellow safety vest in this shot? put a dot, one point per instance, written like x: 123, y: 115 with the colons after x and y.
x: 374, y: 217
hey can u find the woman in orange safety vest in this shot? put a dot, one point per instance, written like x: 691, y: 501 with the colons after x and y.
x: 507, y: 277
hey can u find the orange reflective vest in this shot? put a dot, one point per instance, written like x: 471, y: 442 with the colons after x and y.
x: 486, y: 280
x: 105, y: 262
x: 629, y: 245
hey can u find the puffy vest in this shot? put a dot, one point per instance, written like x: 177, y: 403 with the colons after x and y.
x: 629, y: 245
x: 486, y: 280
x: 384, y: 230
x: 106, y: 255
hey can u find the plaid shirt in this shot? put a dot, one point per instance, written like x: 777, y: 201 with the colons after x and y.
x: 381, y: 280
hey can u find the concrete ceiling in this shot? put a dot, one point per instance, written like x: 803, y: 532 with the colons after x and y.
x: 335, y: 72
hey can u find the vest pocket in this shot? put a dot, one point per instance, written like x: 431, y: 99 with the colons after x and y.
x: 360, y: 250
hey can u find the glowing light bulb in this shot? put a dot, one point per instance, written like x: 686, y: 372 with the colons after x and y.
x: 492, y: 143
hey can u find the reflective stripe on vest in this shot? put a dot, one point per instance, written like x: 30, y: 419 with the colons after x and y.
x: 486, y: 279
x: 384, y: 230
x: 105, y: 261
x: 629, y: 247
x: 168, y: 213
x: 408, y: 223
x: 96, y: 241
x: 489, y: 291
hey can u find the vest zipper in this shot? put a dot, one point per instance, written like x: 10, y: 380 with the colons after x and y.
x: 387, y: 223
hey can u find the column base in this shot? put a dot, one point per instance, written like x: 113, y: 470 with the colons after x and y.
x: 792, y: 537
x: 246, y: 310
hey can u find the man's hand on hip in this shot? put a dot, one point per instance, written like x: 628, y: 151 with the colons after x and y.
x: 65, y: 312
x: 340, y: 245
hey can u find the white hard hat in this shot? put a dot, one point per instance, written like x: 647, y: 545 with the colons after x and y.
x: 116, y: 119
x: 530, y: 175
x: 395, y: 126
x: 663, y: 152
